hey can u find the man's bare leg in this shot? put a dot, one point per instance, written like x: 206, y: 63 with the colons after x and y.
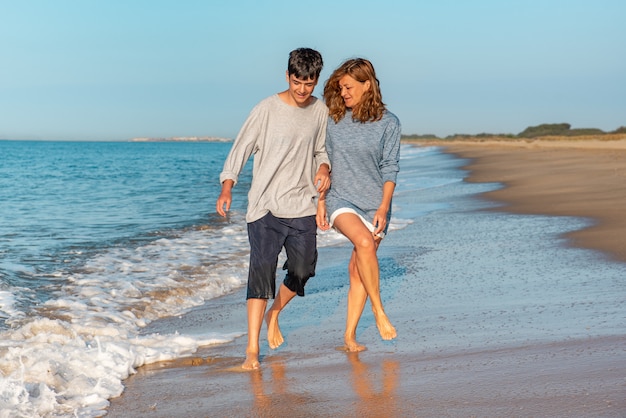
x: 256, y: 310
x: 357, y: 296
x: 274, y: 336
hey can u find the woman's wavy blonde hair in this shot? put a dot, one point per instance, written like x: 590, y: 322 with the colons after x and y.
x: 371, y: 106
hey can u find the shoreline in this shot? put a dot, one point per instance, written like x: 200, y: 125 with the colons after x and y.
x: 585, y: 179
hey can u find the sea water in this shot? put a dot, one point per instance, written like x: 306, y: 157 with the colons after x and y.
x: 99, y: 239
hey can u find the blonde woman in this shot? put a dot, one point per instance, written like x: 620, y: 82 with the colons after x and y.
x: 363, y: 144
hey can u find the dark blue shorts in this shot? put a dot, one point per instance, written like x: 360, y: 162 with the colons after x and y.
x: 267, y: 237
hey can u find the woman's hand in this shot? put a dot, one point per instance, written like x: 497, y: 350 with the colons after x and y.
x: 380, y: 220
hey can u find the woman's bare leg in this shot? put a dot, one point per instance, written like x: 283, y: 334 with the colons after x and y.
x: 357, y: 296
x: 365, y: 247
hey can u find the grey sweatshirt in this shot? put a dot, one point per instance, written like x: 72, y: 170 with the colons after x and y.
x: 288, y: 144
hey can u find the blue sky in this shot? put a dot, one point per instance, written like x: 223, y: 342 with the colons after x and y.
x: 114, y: 70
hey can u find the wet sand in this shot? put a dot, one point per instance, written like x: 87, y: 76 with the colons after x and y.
x: 478, y: 334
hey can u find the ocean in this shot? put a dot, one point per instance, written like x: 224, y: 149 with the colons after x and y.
x: 100, y: 240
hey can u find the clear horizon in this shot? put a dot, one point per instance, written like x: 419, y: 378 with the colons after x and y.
x: 207, y: 138
x: 119, y: 70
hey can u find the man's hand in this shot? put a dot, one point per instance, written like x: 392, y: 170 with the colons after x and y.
x: 224, y: 200
x: 321, y: 218
x: 322, y: 178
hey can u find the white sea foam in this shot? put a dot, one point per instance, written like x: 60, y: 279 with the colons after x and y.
x: 7, y: 305
x: 73, y: 357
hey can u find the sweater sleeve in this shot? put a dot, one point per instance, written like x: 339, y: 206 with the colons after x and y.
x: 390, y: 162
x: 319, y: 153
x: 244, y: 146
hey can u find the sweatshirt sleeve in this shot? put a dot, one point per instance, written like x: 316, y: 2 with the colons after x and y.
x: 320, y: 154
x: 244, y: 146
x: 390, y: 163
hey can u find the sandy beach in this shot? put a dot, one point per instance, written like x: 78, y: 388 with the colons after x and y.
x: 520, y: 312
x: 584, y: 178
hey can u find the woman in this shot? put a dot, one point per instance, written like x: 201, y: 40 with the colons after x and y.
x: 363, y: 144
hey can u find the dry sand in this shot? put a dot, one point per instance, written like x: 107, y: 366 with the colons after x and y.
x: 578, y: 377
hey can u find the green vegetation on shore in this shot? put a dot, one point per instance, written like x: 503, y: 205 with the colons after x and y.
x: 543, y: 130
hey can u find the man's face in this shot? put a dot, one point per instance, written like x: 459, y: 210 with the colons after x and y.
x: 300, y: 90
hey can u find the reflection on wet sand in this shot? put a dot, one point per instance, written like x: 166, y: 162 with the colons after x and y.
x: 374, y: 387
x: 376, y: 390
x: 273, y: 397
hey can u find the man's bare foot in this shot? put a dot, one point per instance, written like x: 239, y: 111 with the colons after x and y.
x: 386, y: 330
x: 274, y: 336
x: 251, y: 362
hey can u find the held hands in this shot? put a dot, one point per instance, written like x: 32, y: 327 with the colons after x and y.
x: 322, y: 183
x: 322, y: 178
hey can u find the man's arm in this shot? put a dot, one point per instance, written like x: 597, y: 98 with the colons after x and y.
x: 322, y: 178
x: 243, y: 147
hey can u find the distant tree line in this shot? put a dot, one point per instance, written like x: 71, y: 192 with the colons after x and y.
x: 546, y: 129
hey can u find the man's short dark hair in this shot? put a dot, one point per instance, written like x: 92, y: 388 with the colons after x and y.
x: 305, y: 63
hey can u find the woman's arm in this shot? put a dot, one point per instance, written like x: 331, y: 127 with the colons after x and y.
x: 380, y: 218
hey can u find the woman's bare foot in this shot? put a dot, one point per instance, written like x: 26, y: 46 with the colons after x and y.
x: 386, y: 330
x: 351, y: 345
x: 274, y: 336
x: 251, y: 362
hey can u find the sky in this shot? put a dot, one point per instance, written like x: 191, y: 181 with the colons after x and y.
x: 119, y: 69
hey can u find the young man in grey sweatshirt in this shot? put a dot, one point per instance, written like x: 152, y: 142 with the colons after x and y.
x: 286, y: 132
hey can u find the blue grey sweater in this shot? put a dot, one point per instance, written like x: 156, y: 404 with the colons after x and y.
x: 363, y: 157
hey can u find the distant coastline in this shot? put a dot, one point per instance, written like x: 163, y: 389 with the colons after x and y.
x: 183, y: 139
x: 543, y: 131
x: 613, y: 140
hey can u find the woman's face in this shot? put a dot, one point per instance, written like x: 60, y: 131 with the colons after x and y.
x: 352, y: 90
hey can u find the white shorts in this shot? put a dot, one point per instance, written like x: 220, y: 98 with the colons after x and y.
x: 367, y: 223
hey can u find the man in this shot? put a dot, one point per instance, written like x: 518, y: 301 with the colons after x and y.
x: 286, y: 132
